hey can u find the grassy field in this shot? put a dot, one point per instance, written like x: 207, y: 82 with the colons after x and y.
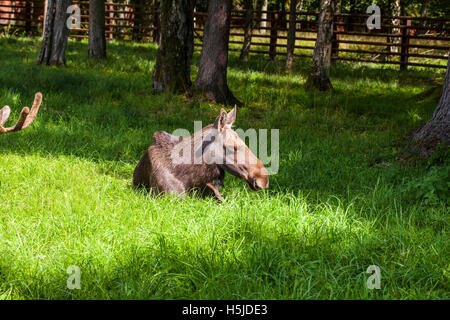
x: 343, y: 199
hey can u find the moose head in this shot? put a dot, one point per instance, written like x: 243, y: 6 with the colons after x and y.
x: 232, y: 154
x: 26, y: 117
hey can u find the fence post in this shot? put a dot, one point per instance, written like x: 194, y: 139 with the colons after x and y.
x: 335, y: 41
x: 274, y: 16
x: 405, y: 45
x: 28, y: 18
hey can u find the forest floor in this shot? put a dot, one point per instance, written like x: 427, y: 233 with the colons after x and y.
x: 344, y: 197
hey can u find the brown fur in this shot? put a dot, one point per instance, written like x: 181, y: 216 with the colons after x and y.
x: 157, y: 173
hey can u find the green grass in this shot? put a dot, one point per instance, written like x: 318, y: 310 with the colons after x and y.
x: 340, y: 202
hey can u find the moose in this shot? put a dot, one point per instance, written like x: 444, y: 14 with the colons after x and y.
x: 26, y: 117
x: 212, y: 151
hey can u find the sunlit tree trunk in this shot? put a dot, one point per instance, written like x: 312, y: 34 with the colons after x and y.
x: 56, y: 33
x: 264, y: 17
x: 319, y: 77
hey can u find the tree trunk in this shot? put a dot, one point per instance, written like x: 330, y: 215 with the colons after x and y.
x: 97, y: 38
x: 274, y: 23
x: 396, y: 11
x: 319, y: 77
x: 438, y: 127
x: 291, y: 33
x: 248, y: 29
x: 173, y: 60
x: 212, y: 73
x: 264, y: 17
x: 56, y: 33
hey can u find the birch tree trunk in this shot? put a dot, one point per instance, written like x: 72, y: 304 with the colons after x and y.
x: 396, y: 11
x: 264, y: 17
x: 319, y: 77
x: 97, y: 38
x: 173, y: 60
x: 56, y: 33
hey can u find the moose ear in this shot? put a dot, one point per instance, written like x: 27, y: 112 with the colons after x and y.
x: 221, y: 120
x: 231, y: 116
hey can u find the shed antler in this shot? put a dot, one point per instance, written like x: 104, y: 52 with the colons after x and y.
x: 26, y: 117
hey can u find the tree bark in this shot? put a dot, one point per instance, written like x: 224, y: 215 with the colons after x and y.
x: 248, y: 29
x: 56, y: 33
x: 264, y: 17
x: 396, y: 11
x: 97, y: 38
x: 438, y: 127
x: 274, y: 24
x: 173, y: 60
x: 212, y: 74
x: 319, y: 77
x: 291, y: 33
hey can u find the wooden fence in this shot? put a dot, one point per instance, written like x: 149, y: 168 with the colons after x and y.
x: 403, y: 40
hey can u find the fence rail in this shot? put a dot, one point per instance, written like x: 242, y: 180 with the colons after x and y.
x: 402, y: 40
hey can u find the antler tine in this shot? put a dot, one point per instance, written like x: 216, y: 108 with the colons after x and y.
x: 34, y: 110
x: 4, y: 115
x: 26, y: 116
x: 23, y: 116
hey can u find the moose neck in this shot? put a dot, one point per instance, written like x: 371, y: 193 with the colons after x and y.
x: 193, y: 147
